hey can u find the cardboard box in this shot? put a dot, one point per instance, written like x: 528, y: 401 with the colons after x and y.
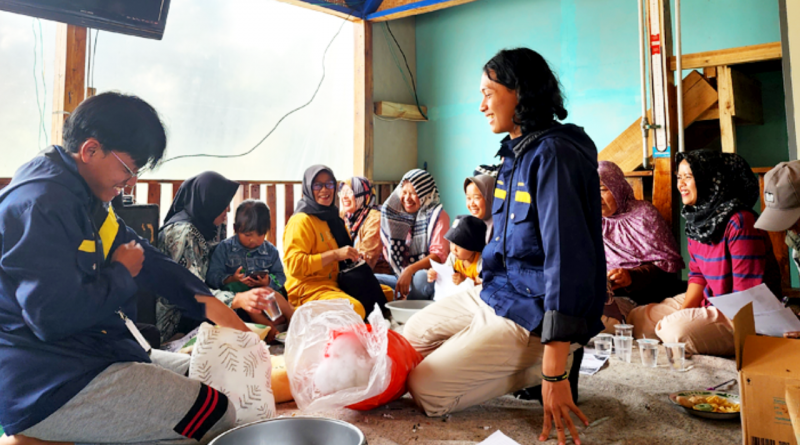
x: 766, y: 366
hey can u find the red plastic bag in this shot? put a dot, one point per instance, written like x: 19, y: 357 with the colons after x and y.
x: 404, y: 359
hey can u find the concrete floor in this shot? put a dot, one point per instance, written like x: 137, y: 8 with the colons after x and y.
x: 627, y: 403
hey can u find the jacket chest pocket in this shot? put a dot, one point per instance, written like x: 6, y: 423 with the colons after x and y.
x: 235, y: 261
x: 524, y: 242
x: 88, y: 263
x: 260, y: 263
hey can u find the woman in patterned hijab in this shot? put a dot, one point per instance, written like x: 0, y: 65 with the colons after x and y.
x: 413, y: 224
x: 362, y: 216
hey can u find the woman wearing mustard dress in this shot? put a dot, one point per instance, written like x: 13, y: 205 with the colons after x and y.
x: 315, y: 240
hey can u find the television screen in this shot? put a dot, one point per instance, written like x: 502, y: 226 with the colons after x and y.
x: 143, y: 18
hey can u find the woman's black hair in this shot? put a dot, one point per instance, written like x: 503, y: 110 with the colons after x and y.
x: 120, y: 122
x: 539, y: 97
x: 252, y: 216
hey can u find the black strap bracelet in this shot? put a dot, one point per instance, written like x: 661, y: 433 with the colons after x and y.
x: 559, y: 378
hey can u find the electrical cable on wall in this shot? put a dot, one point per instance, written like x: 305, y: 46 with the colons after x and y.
x: 313, y: 96
x: 94, y: 58
x: 416, y: 98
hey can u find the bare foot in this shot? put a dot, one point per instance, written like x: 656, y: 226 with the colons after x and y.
x: 24, y: 440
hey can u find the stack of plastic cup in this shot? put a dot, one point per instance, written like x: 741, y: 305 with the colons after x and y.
x: 676, y: 355
x: 648, y: 349
x: 624, y: 330
x: 623, y: 345
x: 603, y: 344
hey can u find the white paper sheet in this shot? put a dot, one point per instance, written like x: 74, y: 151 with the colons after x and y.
x: 498, y: 438
x: 592, y: 362
x: 771, y: 317
x: 444, y: 286
x: 775, y: 323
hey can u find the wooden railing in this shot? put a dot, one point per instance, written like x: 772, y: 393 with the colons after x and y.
x: 153, y: 192
x: 162, y: 192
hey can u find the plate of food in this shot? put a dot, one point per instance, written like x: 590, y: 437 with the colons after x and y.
x: 715, y: 405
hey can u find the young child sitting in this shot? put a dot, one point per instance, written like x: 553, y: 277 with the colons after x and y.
x: 467, y: 239
x: 247, y: 260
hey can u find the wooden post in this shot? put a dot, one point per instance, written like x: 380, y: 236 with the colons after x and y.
x: 363, y: 152
x: 727, y: 126
x: 70, y: 75
x: 154, y: 193
x: 288, y: 202
x: 272, y: 203
x: 664, y: 191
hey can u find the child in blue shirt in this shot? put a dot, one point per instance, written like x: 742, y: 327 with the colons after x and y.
x: 247, y: 260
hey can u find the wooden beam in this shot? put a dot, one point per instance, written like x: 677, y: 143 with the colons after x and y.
x: 315, y: 6
x: 288, y: 202
x: 70, y: 75
x: 394, y: 110
x: 154, y: 193
x: 730, y: 56
x: 363, y: 153
x: 397, y: 9
x: 638, y: 186
x: 727, y: 126
x: 664, y: 191
x: 626, y: 149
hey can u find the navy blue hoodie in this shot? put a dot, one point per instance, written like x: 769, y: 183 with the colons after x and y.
x: 59, y: 291
x: 545, y: 268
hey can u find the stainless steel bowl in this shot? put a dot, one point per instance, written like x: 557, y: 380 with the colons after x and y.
x: 293, y: 431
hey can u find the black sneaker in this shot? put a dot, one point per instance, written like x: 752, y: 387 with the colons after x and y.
x: 535, y: 392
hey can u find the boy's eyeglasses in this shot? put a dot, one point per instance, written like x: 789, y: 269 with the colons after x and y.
x: 130, y: 171
x: 317, y: 186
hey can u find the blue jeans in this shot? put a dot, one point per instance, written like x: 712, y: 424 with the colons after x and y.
x: 420, y: 288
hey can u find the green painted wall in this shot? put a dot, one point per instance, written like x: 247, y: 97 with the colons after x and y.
x: 593, y: 47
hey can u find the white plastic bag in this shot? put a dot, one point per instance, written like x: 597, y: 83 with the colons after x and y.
x: 312, y: 328
x: 237, y: 364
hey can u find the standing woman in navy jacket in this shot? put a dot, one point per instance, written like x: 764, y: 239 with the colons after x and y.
x: 544, y: 276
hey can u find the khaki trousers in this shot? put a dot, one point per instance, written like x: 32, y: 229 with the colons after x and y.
x: 471, y: 354
x: 704, y: 330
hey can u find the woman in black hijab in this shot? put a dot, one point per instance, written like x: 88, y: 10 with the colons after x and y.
x: 727, y: 253
x: 315, y: 240
x: 189, y: 233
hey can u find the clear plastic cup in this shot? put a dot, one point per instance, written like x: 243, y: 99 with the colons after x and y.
x: 623, y: 346
x: 648, y: 350
x: 676, y: 355
x: 624, y: 330
x: 273, y: 311
x: 603, y: 344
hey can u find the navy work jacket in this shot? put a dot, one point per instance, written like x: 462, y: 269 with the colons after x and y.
x: 59, y: 291
x: 545, y: 267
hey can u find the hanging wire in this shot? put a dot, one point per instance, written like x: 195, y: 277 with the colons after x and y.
x: 40, y: 102
x: 416, y: 98
x: 396, y: 61
x: 313, y: 96
x: 94, y: 58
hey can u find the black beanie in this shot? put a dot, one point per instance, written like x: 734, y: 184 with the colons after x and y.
x: 467, y: 232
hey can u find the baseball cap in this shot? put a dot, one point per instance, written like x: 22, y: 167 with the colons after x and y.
x: 781, y: 197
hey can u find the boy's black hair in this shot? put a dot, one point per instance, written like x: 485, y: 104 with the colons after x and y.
x: 252, y: 216
x: 120, y: 122
x: 539, y: 98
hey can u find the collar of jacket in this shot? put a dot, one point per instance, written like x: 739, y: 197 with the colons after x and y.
x: 521, y: 145
x: 238, y: 247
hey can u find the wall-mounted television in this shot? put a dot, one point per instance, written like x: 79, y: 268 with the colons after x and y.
x: 143, y: 18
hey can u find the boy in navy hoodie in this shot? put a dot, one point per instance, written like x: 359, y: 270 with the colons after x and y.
x: 72, y: 370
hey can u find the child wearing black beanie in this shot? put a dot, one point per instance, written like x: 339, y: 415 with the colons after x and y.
x: 467, y: 239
